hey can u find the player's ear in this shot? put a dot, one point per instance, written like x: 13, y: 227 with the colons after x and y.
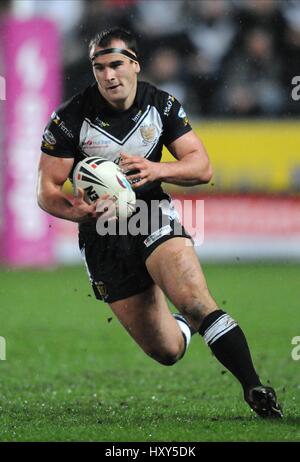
x: 137, y: 68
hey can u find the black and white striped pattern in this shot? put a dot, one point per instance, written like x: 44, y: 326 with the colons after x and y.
x: 185, y: 329
x: 106, y: 145
x: 220, y: 327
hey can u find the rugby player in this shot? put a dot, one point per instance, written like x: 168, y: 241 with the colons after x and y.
x: 128, y: 121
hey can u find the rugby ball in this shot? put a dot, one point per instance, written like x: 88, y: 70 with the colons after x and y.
x: 97, y: 176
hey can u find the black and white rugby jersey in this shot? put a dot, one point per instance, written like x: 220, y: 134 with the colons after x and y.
x: 87, y: 126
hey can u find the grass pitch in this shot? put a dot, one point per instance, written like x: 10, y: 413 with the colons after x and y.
x: 73, y: 374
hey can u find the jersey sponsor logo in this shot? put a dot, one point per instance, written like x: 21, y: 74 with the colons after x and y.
x: 148, y: 133
x: 169, y: 105
x: 60, y: 123
x: 95, y: 144
x: 101, y: 123
x: 136, y: 118
x: 66, y: 130
x: 157, y: 235
x: 49, y: 137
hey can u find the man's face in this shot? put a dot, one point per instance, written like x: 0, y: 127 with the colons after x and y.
x: 116, y: 76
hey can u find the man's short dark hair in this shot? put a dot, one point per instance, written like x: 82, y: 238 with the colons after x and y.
x: 103, y: 39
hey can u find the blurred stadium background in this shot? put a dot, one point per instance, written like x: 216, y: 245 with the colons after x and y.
x: 232, y: 63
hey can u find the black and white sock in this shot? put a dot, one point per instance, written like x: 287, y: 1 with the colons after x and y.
x: 185, y: 328
x: 229, y: 345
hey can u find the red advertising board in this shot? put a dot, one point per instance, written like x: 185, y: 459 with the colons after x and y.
x: 224, y: 227
x: 250, y: 226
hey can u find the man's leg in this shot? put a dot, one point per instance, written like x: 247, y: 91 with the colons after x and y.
x: 116, y: 271
x: 175, y: 268
x: 147, y: 319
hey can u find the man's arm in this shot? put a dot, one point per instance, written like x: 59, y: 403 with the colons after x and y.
x: 53, y: 172
x: 192, y: 166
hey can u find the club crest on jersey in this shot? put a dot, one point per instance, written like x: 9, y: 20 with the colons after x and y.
x: 148, y: 133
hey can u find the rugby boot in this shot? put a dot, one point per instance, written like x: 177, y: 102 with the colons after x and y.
x: 263, y: 401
